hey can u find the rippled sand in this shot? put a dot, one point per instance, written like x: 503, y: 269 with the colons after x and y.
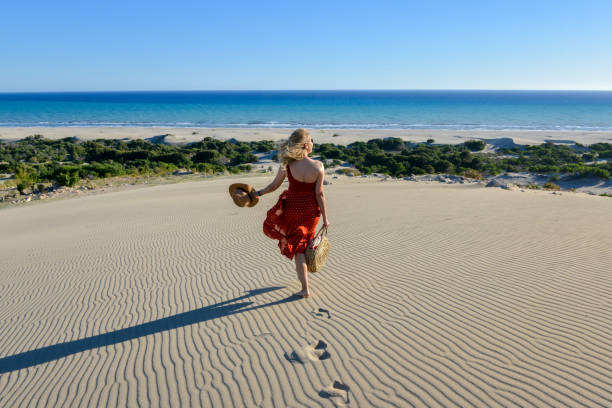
x: 434, y: 296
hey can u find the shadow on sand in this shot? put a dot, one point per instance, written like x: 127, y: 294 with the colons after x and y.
x: 56, y: 351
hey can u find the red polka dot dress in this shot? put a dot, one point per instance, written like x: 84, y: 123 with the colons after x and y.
x: 293, y: 219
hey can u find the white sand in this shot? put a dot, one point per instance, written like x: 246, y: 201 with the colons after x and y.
x: 344, y: 136
x: 433, y: 296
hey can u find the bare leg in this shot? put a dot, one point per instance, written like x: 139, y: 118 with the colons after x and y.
x: 302, y: 273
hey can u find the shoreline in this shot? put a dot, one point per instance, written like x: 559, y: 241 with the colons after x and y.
x: 498, y: 138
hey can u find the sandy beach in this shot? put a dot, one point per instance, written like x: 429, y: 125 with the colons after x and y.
x: 466, y: 153
x: 336, y: 136
x: 433, y: 296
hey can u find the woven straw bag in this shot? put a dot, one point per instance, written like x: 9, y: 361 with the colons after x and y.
x: 317, y: 251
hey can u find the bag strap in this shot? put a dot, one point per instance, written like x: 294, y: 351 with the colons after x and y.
x: 323, y: 229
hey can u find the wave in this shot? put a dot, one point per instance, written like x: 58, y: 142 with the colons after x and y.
x: 257, y: 124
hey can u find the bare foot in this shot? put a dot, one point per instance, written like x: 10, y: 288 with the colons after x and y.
x: 303, y: 294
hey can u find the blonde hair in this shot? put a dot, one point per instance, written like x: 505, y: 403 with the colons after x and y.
x: 292, y: 149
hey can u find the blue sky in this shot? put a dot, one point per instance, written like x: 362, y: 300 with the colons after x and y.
x: 201, y: 45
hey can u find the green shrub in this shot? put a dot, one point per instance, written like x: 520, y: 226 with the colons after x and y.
x: 347, y: 171
x: 491, y: 169
x: 604, y: 150
x: 443, y: 166
x: 605, y: 154
x: 588, y: 157
x: 205, y: 156
x: 475, y: 145
x: 541, y: 168
x: 209, y: 168
x: 263, y: 146
x: 26, y: 174
x: 600, y: 172
x: 551, y: 186
x: 465, y: 156
x: 330, y: 153
x: 102, y: 170
x: 392, y: 143
x: 243, y: 158
x: 164, y: 169
x: 237, y: 169
x: 133, y: 155
x: 178, y: 159
x: 67, y: 175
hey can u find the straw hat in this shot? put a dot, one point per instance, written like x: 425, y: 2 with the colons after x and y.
x: 243, y: 195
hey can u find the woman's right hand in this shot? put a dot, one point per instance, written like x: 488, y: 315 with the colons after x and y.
x: 325, y: 224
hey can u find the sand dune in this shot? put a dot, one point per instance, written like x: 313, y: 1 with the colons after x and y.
x: 434, y: 296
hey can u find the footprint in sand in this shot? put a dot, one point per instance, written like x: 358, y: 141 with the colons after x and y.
x: 309, y: 354
x: 336, y: 390
x: 321, y: 313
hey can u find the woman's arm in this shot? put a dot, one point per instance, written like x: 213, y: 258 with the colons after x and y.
x: 278, y: 180
x: 320, y: 195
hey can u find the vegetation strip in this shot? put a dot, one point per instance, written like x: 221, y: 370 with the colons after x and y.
x: 35, y: 164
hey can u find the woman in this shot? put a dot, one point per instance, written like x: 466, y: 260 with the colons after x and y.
x: 294, y: 218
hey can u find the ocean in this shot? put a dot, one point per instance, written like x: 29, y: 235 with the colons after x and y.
x: 443, y: 110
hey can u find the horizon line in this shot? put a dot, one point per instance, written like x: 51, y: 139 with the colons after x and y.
x: 308, y: 90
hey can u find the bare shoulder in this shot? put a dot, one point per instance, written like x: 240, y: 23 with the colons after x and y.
x: 320, y: 170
